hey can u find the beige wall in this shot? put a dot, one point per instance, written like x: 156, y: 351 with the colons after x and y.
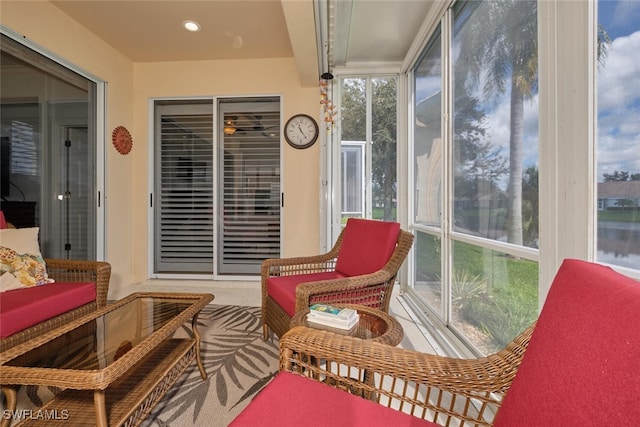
x: 232, y: 78
x: 129, y: 88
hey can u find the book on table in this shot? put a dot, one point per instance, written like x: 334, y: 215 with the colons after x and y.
x: 336, y: 317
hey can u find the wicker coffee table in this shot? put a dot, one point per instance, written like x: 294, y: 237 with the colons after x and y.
x: 374, y: 325
x: 124, y: 353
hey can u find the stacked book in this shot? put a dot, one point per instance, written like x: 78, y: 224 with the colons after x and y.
x: 335, y: 317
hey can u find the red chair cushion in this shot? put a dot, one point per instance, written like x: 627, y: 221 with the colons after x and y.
x: 3, y: 221
x: 283, y: 288
x: 581, y: 365
x: 292, y: 400
x: 367, y: 245
x: 23, y: 308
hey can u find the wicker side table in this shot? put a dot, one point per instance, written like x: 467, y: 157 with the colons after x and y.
x: 373, y: 325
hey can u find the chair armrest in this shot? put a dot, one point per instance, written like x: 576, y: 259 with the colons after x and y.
x: 373, y: 290
x: 302, y: 265
x: 367, y: 289
x: 297, y: 265
x: 439, y: 389
x: 99, y: 272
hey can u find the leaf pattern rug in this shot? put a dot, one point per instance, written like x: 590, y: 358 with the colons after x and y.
x: 238, y: 363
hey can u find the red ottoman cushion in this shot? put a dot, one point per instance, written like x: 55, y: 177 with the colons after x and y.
x: 292, y: 400
x: 23, y: 308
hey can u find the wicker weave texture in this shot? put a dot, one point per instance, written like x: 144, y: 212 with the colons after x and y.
x: 372, y: 290
x: 67, y: 271
x: 374, y: 325
x: 145, y: 385
x: 128, y: 387
x: 443, y: 390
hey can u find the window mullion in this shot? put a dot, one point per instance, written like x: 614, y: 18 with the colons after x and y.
x: 447, y: 165
x: 368, y: 197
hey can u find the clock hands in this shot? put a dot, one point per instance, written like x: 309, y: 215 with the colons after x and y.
x: 300, y: 129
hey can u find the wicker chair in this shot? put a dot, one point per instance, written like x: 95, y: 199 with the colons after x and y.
x: 68, y: 271
x: 320, y: 282
x: 440, y: 389
x: 575, y: 366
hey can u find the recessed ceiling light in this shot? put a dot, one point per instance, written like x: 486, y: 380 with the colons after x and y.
x: 191, y: 26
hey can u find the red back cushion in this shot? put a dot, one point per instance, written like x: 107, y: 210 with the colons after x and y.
x: 3, y: 222
x: 367, y: 245
x: 581, y: 365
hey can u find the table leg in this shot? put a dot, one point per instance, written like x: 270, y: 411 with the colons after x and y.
x: 196, y: 334
x: 12, y: 402
x: 101, y: 408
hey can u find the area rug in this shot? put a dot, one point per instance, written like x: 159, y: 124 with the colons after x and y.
x: 238, y: 363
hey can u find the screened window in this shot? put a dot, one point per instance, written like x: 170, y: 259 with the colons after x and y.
x: 618, y: 138
x: 475, y: 178
x: 368, y: 147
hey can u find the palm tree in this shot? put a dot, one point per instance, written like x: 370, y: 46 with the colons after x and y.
x: 499, y: 47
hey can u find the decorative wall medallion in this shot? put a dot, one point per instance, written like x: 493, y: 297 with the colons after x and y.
x: 122, y: 140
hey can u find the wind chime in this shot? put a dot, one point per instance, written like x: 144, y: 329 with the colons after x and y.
x: 327, y: 105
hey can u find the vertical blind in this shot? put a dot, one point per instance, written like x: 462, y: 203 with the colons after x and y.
x: 184, y: 191
x: 250, y: 194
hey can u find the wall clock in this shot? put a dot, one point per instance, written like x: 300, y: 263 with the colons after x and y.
x: 301, y: 131
x: 121, y: 139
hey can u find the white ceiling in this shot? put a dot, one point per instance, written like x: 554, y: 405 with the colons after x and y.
x: 362, y: 31
x: 374, y: 31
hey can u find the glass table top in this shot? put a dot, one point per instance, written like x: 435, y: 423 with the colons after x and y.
x: 99, y: 342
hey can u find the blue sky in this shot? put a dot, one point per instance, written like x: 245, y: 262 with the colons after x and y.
x: 620, y: 18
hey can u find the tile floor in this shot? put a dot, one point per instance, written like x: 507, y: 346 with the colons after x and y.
x: 248, y: 294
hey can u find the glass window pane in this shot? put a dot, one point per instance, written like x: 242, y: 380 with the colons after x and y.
x: 428, y: 135
x: 368, y: 115
x: 383, y: 148
x: 618, y: 176
x: 495, y: 87
x: 494, y: 296
x: 428, y: 277
x: 48, y: 151
x: 354, y: 110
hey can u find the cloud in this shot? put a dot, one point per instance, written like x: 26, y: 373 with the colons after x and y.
x: 620, y: 73
x: 619, y: 107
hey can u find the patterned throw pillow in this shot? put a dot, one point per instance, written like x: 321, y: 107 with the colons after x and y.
x: 20, y: 257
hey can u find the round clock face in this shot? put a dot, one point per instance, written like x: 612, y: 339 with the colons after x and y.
x: 301, y: 131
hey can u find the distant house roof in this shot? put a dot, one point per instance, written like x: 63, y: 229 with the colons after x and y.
x: 619, y: 189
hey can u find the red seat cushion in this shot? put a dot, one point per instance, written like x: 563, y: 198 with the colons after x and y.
x: 292, y: 400
x: 283, y: 288
x: 367, y: 246
x: 581, y: 365
x: 26, y: 307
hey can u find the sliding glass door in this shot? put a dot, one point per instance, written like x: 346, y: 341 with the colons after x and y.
x: 48, y: 157
x: 216, y: 198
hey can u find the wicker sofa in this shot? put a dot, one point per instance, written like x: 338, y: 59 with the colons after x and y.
x: 576, y: 366
x: 52, y: 305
